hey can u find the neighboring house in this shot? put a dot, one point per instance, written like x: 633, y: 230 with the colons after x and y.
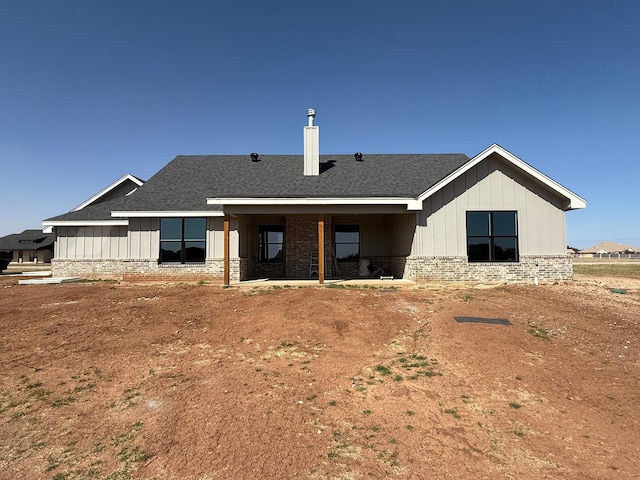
x: 29, y: 246
x: 605, y: 248
x: 422, y: 217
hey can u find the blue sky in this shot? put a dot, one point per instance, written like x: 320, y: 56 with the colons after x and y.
x: 92, y: 90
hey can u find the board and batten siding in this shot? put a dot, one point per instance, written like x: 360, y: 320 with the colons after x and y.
x: 491, y: 185
x: 91, y: 243
x: 382, y: 235
x: 140, y: 241
x: 144, y: 237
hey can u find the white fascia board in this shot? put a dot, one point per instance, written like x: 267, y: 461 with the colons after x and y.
x: 83, y: 223
x: 167, y: 213
x: 575, y: 201
x: 409, y: 202
x: 103, y: 192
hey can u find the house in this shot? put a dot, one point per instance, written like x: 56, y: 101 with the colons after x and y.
x: 421, y: 217
x: 606, y: 248
x: 29, y: 246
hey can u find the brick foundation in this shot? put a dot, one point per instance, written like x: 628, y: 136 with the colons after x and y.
x: 419, y: 269
x: 146, y: 269
x: 542, y: 267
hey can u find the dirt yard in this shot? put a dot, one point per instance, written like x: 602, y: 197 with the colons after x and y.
x: 118, y: 381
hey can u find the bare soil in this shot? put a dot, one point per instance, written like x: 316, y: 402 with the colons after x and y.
x: 141, y: 381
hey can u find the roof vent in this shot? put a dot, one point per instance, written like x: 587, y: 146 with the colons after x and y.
x: 254, y: 157
x: 311, y: 114
x: 358, y: 156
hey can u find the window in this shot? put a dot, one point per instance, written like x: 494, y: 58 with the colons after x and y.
x: 270, y: 243
x: 347, y: 243
x: 183, y: 240
x: 492, y: 236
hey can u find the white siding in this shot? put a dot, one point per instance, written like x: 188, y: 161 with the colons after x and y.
x: 91, y: 243
x: 215, y: 237
x: 144, y: 238
x: 491, y: 185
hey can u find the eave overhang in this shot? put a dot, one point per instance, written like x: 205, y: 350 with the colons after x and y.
x: 47, y: 226
x: 410, y: 203
x: 573, y: 201
x: 106, y: 190
x: 167, y: 213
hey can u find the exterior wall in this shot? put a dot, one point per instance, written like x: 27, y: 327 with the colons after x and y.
x: 267, y: 269
x: 144, y: 237
x: 301, y: 239
x: 385, y: 240
x: 491, y: 185
x: 144, y: 269
x: 114, y: 252
x: 91, y: 243
x: 529, y: 269
x: 439, y: 250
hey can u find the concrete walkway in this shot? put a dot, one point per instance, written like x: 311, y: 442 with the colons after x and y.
x: 48, y: 280
x: 359, y: 282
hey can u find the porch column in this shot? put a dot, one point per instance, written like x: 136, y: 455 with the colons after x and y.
x: 226, y: 249
x: 321, y: 248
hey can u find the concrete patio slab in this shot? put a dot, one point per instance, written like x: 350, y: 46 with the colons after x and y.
x: 49, y: 280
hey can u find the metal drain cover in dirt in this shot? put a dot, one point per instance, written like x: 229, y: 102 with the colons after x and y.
x: 496, y: 321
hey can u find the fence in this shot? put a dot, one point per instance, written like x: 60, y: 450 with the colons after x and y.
x: 608, y: 256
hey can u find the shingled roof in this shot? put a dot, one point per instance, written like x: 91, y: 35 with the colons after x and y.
x: 610, y: 247
x: 186, y: 182
x: 27, y: 240
x: 209, y: 183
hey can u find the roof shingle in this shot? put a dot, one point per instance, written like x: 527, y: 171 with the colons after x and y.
x: 186, y: 182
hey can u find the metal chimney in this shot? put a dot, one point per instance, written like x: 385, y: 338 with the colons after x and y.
x: 311, y: 145
x: 311, y: 114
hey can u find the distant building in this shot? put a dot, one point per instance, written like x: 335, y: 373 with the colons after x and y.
x: 29, y: 246
x: 606, y: 248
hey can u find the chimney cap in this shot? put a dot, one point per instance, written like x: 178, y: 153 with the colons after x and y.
x: 311, y: 114
x: 254, y: 157
x: 358, y: 156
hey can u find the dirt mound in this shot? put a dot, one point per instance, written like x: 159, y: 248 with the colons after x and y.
x: 108, y: 380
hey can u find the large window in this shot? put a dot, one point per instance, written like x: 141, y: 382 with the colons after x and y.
x: 183, y: 240
x: 270, y: 243
x: 347, y: 243
x: 492, y: 236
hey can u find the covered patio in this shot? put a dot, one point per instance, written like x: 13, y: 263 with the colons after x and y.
x: 317, y: 247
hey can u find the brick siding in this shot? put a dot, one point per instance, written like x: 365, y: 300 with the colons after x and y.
x: 419, y: 269
x: 542, y: 267
x: 146, y: 269
x: 301, y: 239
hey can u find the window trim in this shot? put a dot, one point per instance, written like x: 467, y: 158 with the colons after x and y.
x: 336, y: 243
x: 492, y: 237
x: 263, y: 247
x: 183, y: 242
